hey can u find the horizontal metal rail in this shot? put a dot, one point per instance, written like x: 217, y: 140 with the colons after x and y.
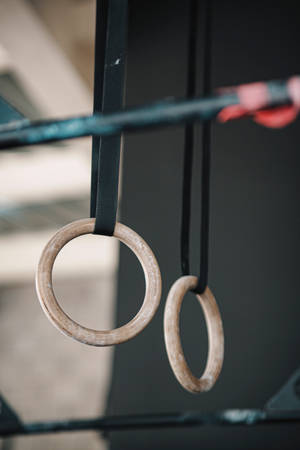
x: 229, y: 417
x: 164, y: 113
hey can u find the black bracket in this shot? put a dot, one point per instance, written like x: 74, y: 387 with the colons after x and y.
x: 8, y: 113
x: 9, y: 420
x: 288, y: 397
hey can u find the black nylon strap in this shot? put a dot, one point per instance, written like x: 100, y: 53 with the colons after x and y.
x: 100, y: 47
x: 189, y: 141
x: 189, y: 147
x: 206, y: 156
x: 110, y: 50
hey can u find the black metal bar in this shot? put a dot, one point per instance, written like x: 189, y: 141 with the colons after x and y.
x: 229, y: 417
x: 169, y: 112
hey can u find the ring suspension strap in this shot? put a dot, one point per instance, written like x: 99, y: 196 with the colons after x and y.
x: 110, y: 50
x: 189, y: 148
x: 206, y: 154
x: 189, y: 141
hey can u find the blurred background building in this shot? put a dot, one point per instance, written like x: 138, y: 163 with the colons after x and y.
x: 46, y: 70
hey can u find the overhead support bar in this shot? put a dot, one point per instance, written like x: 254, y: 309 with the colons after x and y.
x: 229, y: 417
x: 160, y: 114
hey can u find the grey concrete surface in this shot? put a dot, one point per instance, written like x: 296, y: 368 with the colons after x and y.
x: 45, y: 375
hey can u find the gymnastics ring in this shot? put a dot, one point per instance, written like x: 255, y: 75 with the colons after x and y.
x: 68, y: 326
x: 172, y: 336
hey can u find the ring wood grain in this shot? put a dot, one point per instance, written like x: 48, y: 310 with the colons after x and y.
x: 71, y: 328
x: 173, y: 342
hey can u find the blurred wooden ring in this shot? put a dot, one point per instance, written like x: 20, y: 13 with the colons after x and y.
x: 71, y: 328
x: 173, y: 342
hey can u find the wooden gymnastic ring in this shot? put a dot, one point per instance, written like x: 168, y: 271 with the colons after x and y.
x: 172, y: 336
x: 68, y: 326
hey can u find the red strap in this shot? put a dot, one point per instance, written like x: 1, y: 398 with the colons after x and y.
x: 276, y: 117
x: 253, y: 97
x: 231, y: 112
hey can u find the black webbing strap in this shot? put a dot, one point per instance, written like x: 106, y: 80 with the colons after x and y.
x: 189, y: 141
x: 110, y: 52
x: 189, y: 147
